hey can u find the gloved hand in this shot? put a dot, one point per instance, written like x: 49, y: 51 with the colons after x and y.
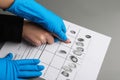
x: 19, y: 69
x: 35, y: 12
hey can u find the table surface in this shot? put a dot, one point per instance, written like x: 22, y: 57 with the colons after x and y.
x: 102, y: 16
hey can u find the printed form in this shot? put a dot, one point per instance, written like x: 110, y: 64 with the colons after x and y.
x: 79, y: 60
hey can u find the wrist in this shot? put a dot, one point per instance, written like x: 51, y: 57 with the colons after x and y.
x: 24, y: 28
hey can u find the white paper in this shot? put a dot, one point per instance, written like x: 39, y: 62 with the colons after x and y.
x: 79, y: 60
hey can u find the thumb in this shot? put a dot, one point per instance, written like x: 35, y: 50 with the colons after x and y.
x: 9, y: 56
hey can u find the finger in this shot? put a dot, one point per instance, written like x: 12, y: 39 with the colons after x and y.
x: 28, y: 61
x: 32, y: 40
x: 31, y: 68
x: 42, y: 39
x: 9, y: 56
x: 61, y: 35
x: 67, y: 41
x: 37, y: 43
x: 50, y: 39
x: 64, y: 27
x: 29, y: 74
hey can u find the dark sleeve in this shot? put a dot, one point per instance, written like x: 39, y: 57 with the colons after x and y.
x: 10, y: 28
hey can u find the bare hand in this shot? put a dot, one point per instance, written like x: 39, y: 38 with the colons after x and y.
x: 36, y: 35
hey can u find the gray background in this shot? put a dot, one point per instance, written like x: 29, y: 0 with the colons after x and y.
x: 99, y: 15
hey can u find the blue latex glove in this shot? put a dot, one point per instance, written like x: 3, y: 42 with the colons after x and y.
x: 35, y: 12
x: 19, y: 69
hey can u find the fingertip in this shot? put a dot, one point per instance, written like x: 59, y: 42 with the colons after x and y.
x: 50, y: 39
x: 40, y: 74
x: 60, y: 35
x: 63, y: 36
x: 9, y: 56
x: 67, y: 41
x: 41, y: 67
x: 36, y: 61
x: 37, y: 43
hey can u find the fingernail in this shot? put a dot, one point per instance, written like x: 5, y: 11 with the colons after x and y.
x: 68, y: 41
